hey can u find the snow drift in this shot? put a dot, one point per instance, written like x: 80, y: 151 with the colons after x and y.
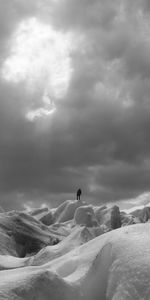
x: 88, y: 263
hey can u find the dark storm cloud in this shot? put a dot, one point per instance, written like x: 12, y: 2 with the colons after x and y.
x: 85, y: 14
x: 98, y: 138
x: 13, y: 11
x: 120, y: 179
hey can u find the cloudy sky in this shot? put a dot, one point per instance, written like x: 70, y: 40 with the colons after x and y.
x: 74, y: 101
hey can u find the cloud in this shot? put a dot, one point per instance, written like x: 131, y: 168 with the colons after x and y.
x: 98, y: 136
x: 85, y: 15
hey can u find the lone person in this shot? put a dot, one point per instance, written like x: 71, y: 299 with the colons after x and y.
x: 79, y: 194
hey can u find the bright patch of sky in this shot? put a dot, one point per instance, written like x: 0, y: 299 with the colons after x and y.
x: 39, y: 56
x: 48, y: 107
x: 129, y: 205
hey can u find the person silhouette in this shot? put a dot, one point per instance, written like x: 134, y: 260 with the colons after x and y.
x: 79, y: 192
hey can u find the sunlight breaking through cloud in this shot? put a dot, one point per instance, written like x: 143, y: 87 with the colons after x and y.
x: 39, y: 56
x: 48, y: 108
x: 37, y: 113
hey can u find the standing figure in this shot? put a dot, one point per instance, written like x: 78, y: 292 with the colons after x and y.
x: 79, y: 194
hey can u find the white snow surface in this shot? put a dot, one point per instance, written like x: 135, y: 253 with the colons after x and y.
x: 112, y: 266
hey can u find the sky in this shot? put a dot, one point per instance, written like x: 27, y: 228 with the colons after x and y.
x: 74, y: 102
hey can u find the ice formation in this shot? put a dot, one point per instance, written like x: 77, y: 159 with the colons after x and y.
x: 70, y: 260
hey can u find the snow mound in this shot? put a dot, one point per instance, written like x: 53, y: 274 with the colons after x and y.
x: 115, y: 217
x: 112, y: 266
x: 127, y: 219
x: 66, y: 211
x: 142, y: 215
x: 38, y: 211
x: 84, y: 215
x: 47, y: 219
x: 75, y: 258
x: 22, y: 234
x: 79, y: 236
x: 108, y: 216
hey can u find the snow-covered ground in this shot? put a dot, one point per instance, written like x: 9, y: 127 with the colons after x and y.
x: 89, y: 262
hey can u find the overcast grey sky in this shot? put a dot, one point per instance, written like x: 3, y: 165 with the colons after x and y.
x: 74, y: 101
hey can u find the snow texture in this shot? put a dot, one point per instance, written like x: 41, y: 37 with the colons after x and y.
x: 88, y: 262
